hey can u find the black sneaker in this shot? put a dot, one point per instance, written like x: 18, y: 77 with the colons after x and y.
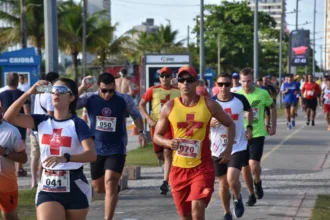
x: 228, y: 216
x: 307, y: 122
x: 238, y: 210
x: 251, y: 201
x: 164, y: 188
x: 259, y: 191
x: 313, y: 123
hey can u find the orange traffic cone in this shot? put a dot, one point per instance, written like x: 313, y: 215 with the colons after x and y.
x: 134, y: 130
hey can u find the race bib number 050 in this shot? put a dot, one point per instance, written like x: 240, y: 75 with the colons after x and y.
x: 55, y: 181
x: 107, y: 124
x: 188, y: 148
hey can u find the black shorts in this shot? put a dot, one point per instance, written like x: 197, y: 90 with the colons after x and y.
x: 114, y: 163
x: 254, y: 150
x: 79, y: 196
x: 236, y: 161
x: 311, y: 103
x: 289, y: 105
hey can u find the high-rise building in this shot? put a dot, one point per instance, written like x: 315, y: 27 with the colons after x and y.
x: 99, y: 5
x: 272, y: 7
x: 326, y: 35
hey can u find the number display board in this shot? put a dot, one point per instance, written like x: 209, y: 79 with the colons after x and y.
x: 299, y: 47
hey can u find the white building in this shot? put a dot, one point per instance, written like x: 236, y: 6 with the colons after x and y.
x: 148, y: 27
x: 326, y: 35
x: 272, y: 7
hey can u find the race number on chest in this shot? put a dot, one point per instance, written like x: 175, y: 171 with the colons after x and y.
x: 55, y: 181
x: 188, y: 148
x: 107, y: 124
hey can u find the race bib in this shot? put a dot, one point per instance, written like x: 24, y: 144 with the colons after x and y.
x: 188, y: 148
x: 107, y: 124
x: 255, y: 113
x: 55, y: 181
x: 310, y: 93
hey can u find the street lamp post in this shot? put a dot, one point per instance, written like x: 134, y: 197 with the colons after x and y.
x: 255, y: 50
x: 281, y: 49
x: 201, y: 41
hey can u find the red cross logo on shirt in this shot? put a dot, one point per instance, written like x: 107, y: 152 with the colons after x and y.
x: 55, y: 141
x: 229, y: 112
x: 163, y: 101
x: 190, y: 125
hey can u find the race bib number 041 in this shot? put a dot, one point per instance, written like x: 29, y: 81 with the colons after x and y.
x: 107, y: 124
x: 188, y: 148
x: 55, y: 181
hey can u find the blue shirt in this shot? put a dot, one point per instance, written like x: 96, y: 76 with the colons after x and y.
x: 107, y: 119
x: 290, y: 96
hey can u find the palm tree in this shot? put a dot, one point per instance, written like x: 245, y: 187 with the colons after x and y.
x: 34, y: 22
x: 70, y: 30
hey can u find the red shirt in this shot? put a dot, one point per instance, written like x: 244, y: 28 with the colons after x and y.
x: 311, y: 90
x: 200, y: 90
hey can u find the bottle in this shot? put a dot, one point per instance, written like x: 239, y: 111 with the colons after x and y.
x: 90, y: 81
x: 45, y: 88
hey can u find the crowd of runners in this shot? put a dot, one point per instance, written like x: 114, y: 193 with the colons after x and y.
x: 199, y: 138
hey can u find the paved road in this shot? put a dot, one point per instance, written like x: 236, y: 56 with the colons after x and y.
x: 293, y: 175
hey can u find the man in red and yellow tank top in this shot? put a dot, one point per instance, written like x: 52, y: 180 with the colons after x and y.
x: 188, y: 117
x: 158, y: 96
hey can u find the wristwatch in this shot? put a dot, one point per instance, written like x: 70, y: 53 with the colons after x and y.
x: 6, y: 152
x: 67, y: 157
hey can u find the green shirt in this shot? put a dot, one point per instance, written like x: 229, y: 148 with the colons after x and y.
x: 258, y: 99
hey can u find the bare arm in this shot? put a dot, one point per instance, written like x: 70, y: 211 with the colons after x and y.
x: 19, y: 157
x: 130, y: 89
x: 249, y: 115
x: 163, y: 125
x: 143, y: 110
x: 273, y: 115
x: 89, y: 154
x: 139, y: 124
x: 27, y: 109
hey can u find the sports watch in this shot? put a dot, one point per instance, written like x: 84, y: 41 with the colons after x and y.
x: 67, y: 157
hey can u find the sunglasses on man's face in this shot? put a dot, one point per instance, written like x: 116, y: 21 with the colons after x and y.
x: 104, y: 91
x: 188, y: 80
x: 226, y: 84
x: 61, y: 90
x: 164, y: 75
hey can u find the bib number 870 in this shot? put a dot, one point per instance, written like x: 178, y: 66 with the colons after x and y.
x: 53, y: 182
x: 105, y: 124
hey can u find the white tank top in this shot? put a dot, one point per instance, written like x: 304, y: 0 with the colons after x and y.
x: 326, y: 96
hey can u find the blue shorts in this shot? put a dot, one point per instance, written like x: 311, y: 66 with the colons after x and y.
x: 79, y: 196
x: 291, y: 104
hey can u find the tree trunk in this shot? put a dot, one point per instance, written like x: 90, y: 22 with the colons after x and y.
x: 75, y: 66
x: 23, y: 25
x: 102, y: 59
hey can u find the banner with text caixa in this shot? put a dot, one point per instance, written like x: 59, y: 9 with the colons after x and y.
x: 24, y: 61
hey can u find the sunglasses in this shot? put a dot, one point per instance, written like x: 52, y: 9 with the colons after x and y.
x: 226, y: 84
x: 164, y: 75
x: 188, y: 80
x: 61, y: 90
x: 104, y: 91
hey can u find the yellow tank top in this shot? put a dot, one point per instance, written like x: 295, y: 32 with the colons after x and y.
x: 191, y: 126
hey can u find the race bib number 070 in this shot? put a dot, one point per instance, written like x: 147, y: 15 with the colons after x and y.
x: 55, y: 181
x: 188, y: 148
x: 107, y: 124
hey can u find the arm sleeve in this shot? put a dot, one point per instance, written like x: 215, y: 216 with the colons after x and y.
x: 243, y: 99
x: 38, y: 119
x: 82, y: 100
x: 82, y: 129
x: 148, y: 95
x: 131, y: 107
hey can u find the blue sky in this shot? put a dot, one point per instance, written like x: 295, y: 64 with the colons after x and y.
x: 129, y: 13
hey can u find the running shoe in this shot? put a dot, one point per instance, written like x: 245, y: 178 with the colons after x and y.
x: 228, y: 216
x: 238, y: 210
x: 251, y: 201
x: 258, y: 190
x: 293, y: 123
x: 313, y: 123
x: 307, y: 122
x: 289, y: 126
x: 164, y: 188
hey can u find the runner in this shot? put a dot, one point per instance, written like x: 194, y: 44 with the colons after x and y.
x: 192, y: 171
x: 65, y: 144
x: 236, y: 85
x: 42, y: 105
x: 302, y: 99
x: 158, y: 96
x: 228, y: 174
x: 258, y: 99
x: 259, y: 82
x: 12, y: 149
x: 201, y: 90
x: 22, y: 85
x: 7, y: 98
x: 266, y: 85
x: 107, y: 110
x: 290, y: 90
x: 123, y: 83
x: 326, y: 101
x: 312, y: 92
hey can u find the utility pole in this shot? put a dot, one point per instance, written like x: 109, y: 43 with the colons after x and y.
x: 188, y: 37
x: 314, y: 37
x: 325, y: 35
x: 201, y: 41
x: 23, y: 25
x: 219, y: 55
x: 51, y: 35
x: 84, y: 61
x: 281, y: 48
x: 256, y: 46
x: 321, y: 61
x: 297, y: 7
